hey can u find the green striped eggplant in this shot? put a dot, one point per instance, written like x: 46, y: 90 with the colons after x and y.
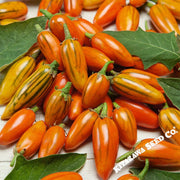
x: 32, y: 90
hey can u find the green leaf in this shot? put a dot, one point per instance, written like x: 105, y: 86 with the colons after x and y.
x: 155, y: 174
x: 150, y: 47
x: 38, y: 168
x: 17, y: 38
x: 171, y: 87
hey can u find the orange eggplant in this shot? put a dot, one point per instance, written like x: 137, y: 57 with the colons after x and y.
x: 49, y: 46
x: 59, y: 82
x: 53, y: 141
x: 63, y: 176
x: 158, y: 69
x: 81, y: 129
x: 144, y: 76
x: 105, y: 139
x: 13, y: 9
x: 107, y: 12
x: 126, y: 124
x: 96, y: 88
x: 76, y: 107
x: 140, y: 111
x: 112, y: 48
x: 56, y: 23
x: 136, y: 89
x: 169, y: 122
x: 58, y: 105
x: 74, y: 61
x: 173, y: 6
x: 53, y: 6
x: 92, y: 4
x: 84, y: 26
x: 17, y: 125
x: 73, y: 7
x: 96, y: 59
x: 127, y: 19
x: 30, y: 141
x: 159, y: 152
x: 137, y: 3
x: 163, y: 19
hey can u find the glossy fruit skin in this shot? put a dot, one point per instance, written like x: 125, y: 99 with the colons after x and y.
x: 13, y: 9
x: 136, y: 89
x: 56, y: 26
x: 53, y: 6
x: 127, y: 19
x: 8, y: 21
x: 107, y: 12
x: 16, y: 126
x: 41, y: 63
x: 74, y: 63
x: 84, y: 26
x: 52, y: 142
x: 144, y: 76
x: 15, y: 76
x: 173, y: 6
x: 57, y: 108
x: 92, y: 4
x: 161, y: 153
x: 158, y: 69
x: 128, y: 177
x: 76, y: 106
x: 105, y: 139
x: 163, y: 19
x: 33, y: 89
x: 50, y: 47
x: 109, y: 103
x: 81, y: 129
x: 169, y: 119
x: 63, y: 176
x: 92, y: 96
x: 140, y: 111
x: 73, y: 7
x: 137, y: 3
x: 31, y: 140
x: 59, y: 82
x: 112, y: 48
x: 96, y: 59
x: 126, y: 124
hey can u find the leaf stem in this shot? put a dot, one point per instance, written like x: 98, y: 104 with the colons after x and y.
x: 89, y: 35
x: 35, y: 108
x: 46, y: 13
x: 104, y: 111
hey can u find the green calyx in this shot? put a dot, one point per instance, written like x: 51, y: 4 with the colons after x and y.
x: 104, y: 111
x: 98, y: 109
x: 38, y: 28
x: 46, y: 13
x: 54, y: 67
x: 104, y: 68
x: 142, y: 174
x: 35, y: 108
x: 89, y: 35
x: 16, y: 154
x: 116, y: 105
x: 67, y: 32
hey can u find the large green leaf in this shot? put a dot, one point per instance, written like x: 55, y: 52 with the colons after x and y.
x: 150, y: 47
x: 171, y: 87
x: 155, y: 174
x: 38, y: 168
x: 17, y: 38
